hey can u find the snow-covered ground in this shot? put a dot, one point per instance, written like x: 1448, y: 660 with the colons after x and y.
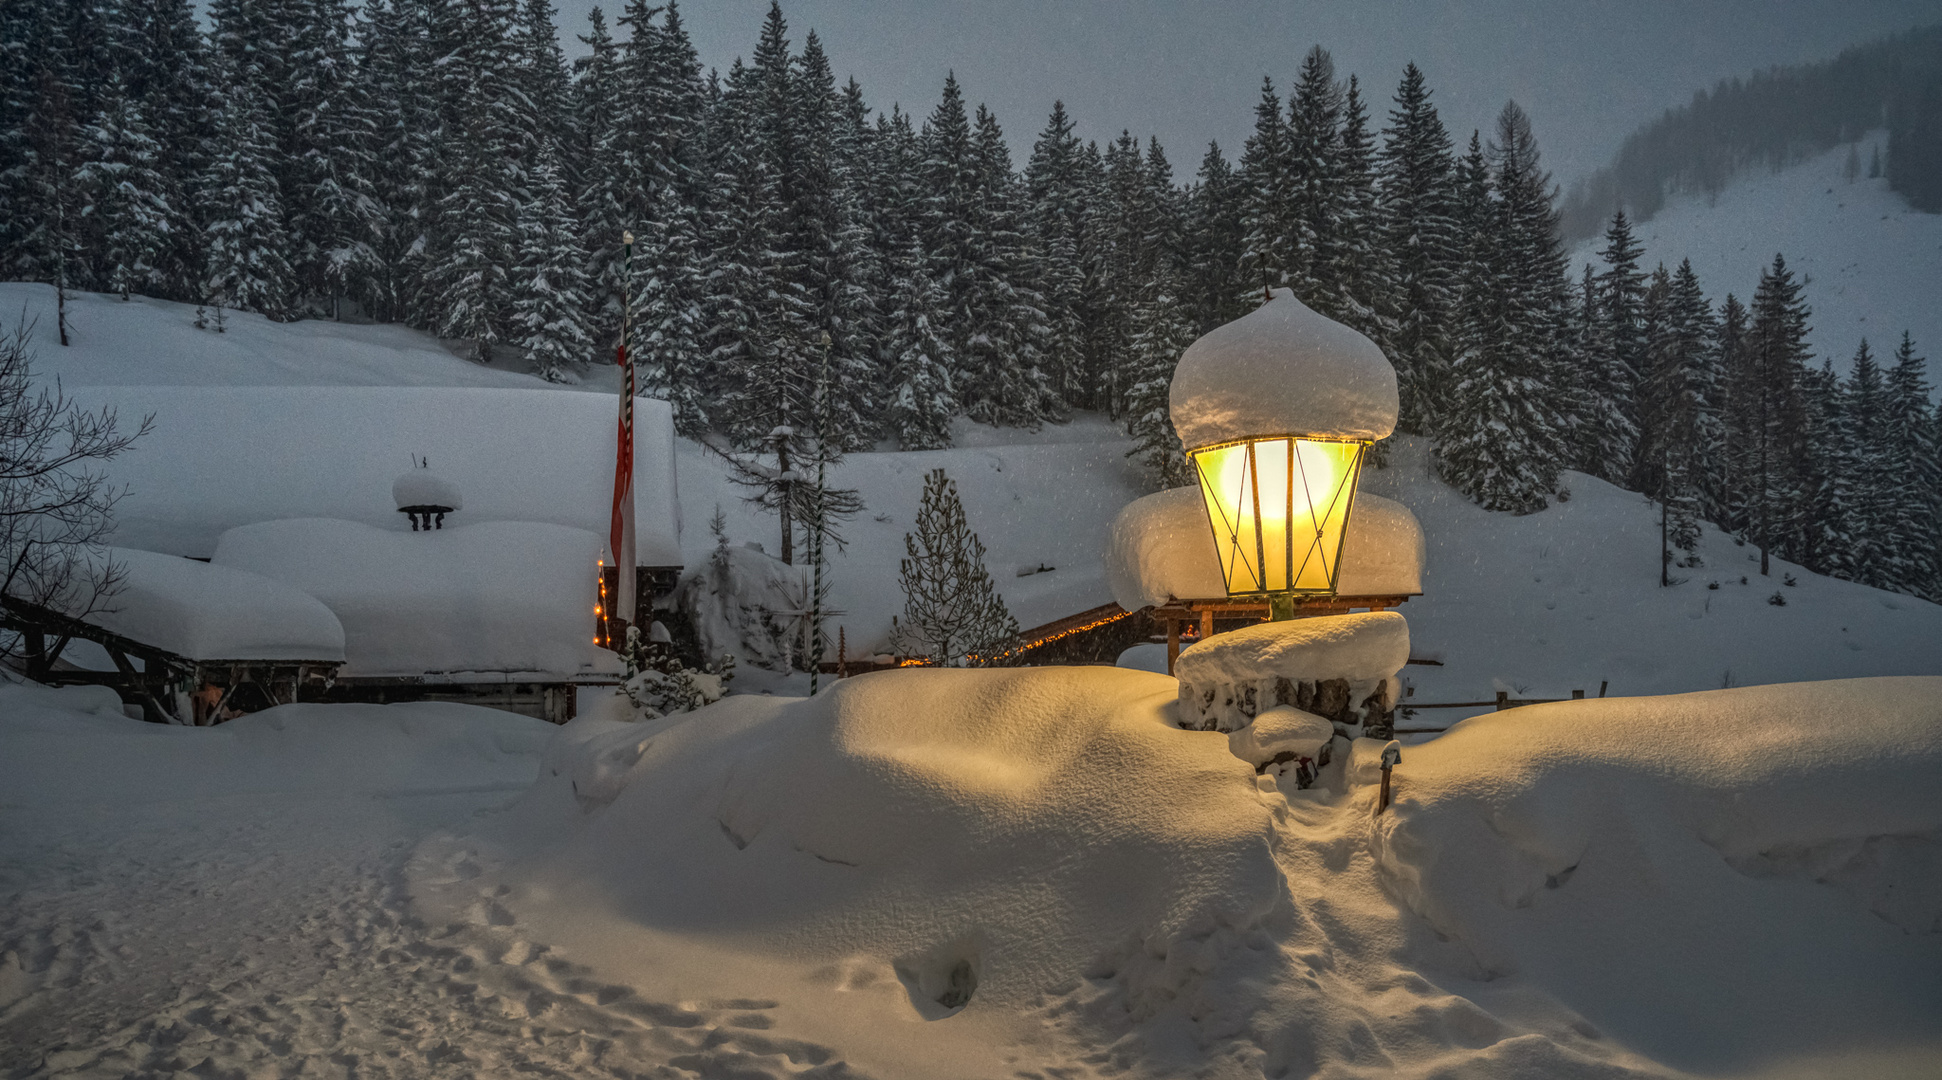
x: 1027, y: 873
x: 1872, y: 264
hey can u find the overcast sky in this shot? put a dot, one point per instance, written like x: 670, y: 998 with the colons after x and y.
x: 1587, y: 72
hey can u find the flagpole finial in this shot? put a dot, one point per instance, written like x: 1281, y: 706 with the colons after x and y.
x: 626, y: 237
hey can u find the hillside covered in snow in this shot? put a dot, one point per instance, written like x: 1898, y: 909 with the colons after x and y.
x: 1873, y: 265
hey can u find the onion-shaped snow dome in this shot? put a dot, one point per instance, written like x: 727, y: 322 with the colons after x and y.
x: 425, y: 497
x: 1276, y: 409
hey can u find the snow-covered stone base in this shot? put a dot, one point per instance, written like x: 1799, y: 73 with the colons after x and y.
x: 1338, y: 667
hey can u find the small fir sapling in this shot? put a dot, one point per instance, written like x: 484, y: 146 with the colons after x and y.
x: 953, y: 615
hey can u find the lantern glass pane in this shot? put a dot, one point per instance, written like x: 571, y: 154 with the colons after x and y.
x: 1279, y: 508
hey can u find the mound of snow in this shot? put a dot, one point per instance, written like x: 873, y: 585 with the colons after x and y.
x: 986, y: 835
x: 74, y: 747
x: 1711, y: 878
x: 1282, y: 369
x: 206, y: 612
x: 496, y: 596
x: 1161, y: 547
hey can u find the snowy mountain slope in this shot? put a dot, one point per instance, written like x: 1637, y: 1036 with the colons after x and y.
x: 1568, y: 597
x: 1874, y: 265
x: 146, y: 342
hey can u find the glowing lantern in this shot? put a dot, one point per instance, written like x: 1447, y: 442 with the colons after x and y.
x: 1277, y: 410
x: 1279, y: 508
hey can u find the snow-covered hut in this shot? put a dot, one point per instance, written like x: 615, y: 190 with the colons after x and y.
x: 183, y: 639
x: 303, y: 484
x: 495, y: 612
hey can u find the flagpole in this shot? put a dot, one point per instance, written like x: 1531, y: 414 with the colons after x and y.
x: 621, y: 536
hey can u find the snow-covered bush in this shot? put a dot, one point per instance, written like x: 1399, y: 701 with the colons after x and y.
x: 746, y: 603
x: 658, y: 684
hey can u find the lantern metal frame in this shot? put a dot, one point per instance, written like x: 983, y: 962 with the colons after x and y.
x: 1234, y: 536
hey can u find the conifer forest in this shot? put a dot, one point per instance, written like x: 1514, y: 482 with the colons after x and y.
x: 808, y: 266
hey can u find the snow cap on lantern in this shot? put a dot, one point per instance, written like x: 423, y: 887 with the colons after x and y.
x: 1282, y: 369
x: 422, y: 494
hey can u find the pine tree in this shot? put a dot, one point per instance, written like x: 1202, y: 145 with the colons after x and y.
x: 1057, y: 218
x: 1861, y: 539
x: 1502, y: 443
x: 1738, y: 419
x: 126, y: 206
x: 953, y: 615
x: 1162, y: 330
x: 668, y: 347
x: 921, y: 398
x: 468, y: 274
x: 1913, y: 473
x: 1611, y: 432
x: 549, y: 286
x: 1681, y: 434
x: 1417, y: 206
x: 1315, y: 160
x: 396, y: 68
x: 1269, y: 232
x: 165, y: 69
x: 1001, y: 378
x: 1771, y: 414
x: 245, y: 241
x: 329, y: 180
x: 1213, y: 232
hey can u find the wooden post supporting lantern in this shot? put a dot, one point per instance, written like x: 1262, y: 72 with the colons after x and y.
x: 1278, y: 409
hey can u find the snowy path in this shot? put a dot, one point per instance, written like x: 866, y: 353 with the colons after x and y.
x: 269, y: 935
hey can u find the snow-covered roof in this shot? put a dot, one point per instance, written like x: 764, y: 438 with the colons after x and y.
x: 1282, y: 369
x: 205, y: 612
x: 493, y: 597
x: 221, y: 457
x: 1162, y: 547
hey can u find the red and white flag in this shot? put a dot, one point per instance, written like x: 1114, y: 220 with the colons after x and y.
x: 621, y: 532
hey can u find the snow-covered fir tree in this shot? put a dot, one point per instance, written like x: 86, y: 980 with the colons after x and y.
x: 1912, y: 473
x: 919, y: 356
x: 549, y: 283
x: 1769, y: 413
x: 245, y: 242
x: 1419, y: 237
x: 1609, y: 435
x: 126, y: 210
x: 1162, y: 330
x: 668, y: 347
x: 953, y: 615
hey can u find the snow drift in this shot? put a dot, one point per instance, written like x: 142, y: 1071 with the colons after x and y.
x: 985, y: 834
x: 1714, y: 879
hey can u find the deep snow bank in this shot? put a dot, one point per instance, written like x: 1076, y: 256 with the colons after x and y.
x: 73, y: 745
x: 1713, y: 878
x: 999, y: 829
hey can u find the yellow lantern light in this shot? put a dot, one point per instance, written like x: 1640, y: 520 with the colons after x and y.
x: 1277, y: 410
x: 1279, y: 508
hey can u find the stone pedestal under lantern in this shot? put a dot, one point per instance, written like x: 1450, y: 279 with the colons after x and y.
x: 1341, y: 668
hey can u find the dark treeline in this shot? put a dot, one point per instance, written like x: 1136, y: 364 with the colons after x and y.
x: 1777, y: 117
x: 808, y: 268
